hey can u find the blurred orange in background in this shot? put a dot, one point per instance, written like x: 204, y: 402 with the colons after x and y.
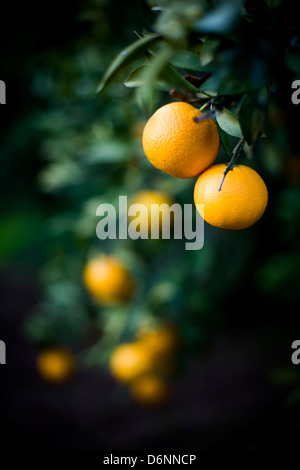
x: 108, y: 280
x: 57, y: 364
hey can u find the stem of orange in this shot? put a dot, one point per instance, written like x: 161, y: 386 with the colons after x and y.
x: 205, y: 106
x: 235, y: 155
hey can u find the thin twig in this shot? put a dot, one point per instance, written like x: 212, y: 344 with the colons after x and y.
x: 235, y: 155
x: 209, y: 114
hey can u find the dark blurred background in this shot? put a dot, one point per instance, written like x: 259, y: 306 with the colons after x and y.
x: 64, y: 150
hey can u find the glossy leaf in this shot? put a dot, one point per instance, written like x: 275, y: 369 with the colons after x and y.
x: 229, y: 123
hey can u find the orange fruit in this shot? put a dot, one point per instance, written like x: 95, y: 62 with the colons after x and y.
x: 56, y: 364
x: 149, y: 390
x: 130, y: 360
x: 162, y: 344
x: 108, y: 280
x: 163, y: 340
x: 239, y: 204
x: 159, y: 215
x: 176, y: 144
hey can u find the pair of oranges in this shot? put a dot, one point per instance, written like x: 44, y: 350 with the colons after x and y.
x: 145, y: 364
x: 180, y: 144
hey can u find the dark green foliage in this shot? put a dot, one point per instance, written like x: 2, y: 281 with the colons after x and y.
x: 78, y: 149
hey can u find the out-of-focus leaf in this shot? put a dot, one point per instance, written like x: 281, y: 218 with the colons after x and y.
x: 58, y: 175
x: 17, y: 232
x: 168, y: 77
x: 285, y: 376
x: 292, y: 60
x: 273, y: 3
x: 173, y: 78
x: 150, y: 76
x: 235, y: 73
x: 276, y: 273
x: 229, y: 123
x: 52, y: 324
x: 208, y: 51
x: 126, y: 57
x: 221, y: 20
x: 61, y: 316
x: 106, y: 152
x: 157, y: 8
x: 134, y: 80
x: 252, y: 114
x: 187, y: 60
x: 163, y: 292
x: 248, y: 151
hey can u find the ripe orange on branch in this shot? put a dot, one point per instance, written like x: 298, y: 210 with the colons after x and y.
x: 241, y: 201
x: 176, y: 144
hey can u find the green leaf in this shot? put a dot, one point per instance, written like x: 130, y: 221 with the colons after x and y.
x: 168, y: 77
x: 126, y: 57
x: 172, y: 77
x: 106, y: 152
x: 252, y: 114
x: 187, y: 60
x: 149, y: 77
x: 224, y: 141
x: 221, y: 20
x: 135, y: 78
x: 208, y: 52
x: 229, y: 123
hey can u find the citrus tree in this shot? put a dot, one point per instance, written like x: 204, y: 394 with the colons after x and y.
x: 203, y: 92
